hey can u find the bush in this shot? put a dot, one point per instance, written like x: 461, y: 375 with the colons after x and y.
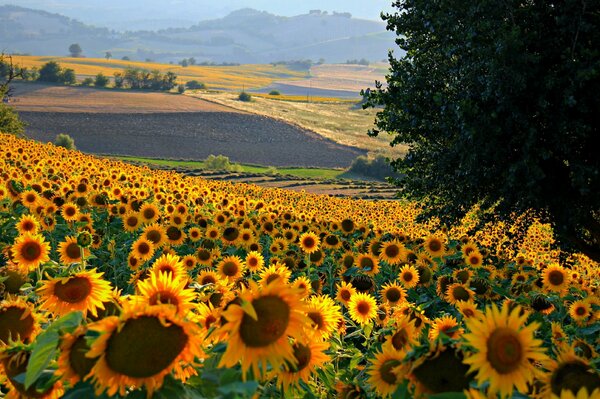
x: 64, y: 140
x: 274, y: 93
x: 50, y: 72
x: 9, y: 121
x: 245, y: 97
x: 101, y: 80
x: 195, y: 85
x: 181, y: 89
x: 87, y: 82
x: 221, y: 162
x: 377, y: 168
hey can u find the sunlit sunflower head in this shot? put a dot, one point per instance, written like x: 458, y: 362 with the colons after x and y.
x: 30, y: 198
x: 324, y: 314
x: 556, y: 279
x: 259, y: 329
x: 392, y: 294
x: 382, y: 377
x: 70, y: 251
x: 73, y: 365
x: 274, y: 272
x: 307, y: 357
x: 581, y: 311
x: 18, y: 322
x: 170, y: 264
x: 149, y: 213
x: 404, y: 334
x: 304, y: 286
x: 28, y: 224
x: 468, y: 309
x: 345, y: 291
x: 162, y: 288
x: 309, y: 242
x: 208, y: 317
x: 255, y: 261
x: 160, y: 342
x: 84, y: 291
x: 143, y: 249
x: 393, y: 252
x: 29, y: 251
x: 175, y: 235
x: 131, y: 221
x: 156, y: 234
x: 368, y: 263
x: 504, y: 349
x: 458, y: 292
x: 434, y: 246
x: 474, y: 259
x: 230, y: 268
x: 362, y: 308
x: 446, y: 325
x: 189, y: 262
x: 409, y: 276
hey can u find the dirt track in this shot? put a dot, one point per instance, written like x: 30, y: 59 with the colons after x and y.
x: 242, y: 137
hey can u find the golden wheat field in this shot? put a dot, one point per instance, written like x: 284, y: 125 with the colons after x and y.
x: 123, y: 281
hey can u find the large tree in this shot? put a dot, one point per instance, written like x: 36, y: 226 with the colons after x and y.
x: 498, y: 102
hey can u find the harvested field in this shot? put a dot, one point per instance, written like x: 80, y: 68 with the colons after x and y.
x: 244, y: 138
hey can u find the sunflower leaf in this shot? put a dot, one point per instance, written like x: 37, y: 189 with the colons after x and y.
x: 447, y: 395
x: 249, y: 309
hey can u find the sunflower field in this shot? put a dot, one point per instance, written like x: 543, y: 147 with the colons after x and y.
x: 123, y: 281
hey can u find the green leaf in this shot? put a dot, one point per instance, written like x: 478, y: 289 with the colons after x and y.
x: 241, y: 388
x: 447, y: 395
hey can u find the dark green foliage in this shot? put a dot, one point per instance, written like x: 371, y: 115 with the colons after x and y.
x: 101, y: 80
x: 245, y: 97
x: 181, y: 89
x: 66, y: 141
x: 376, y: 168
x: 136, y: 78
x: 498, y: 102
x: 50, y: 72
x: 87, y: 82
x: 67, y: 76
x: 274, y: 93
x: 9, y: 120
x: 75, y: 50
x: 195, y: 85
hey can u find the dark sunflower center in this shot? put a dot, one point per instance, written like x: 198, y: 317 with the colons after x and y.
x: 144, y: 347
x: 573, y: 376
x: 173, y: 233
x: 309, y: 242
x: 70, y: 212
x: 317, y: 318
x: 386, y: 373
x: 407, y: 276
x: 77, y: 359
x: 166, y: 269
x: 435, y: 245
x: 367, y: 264
x: 462, y: 276
x: 505, y: 350
x: 400, y: 339
x: 302, y: 354
x: 444, y: 373
x: 149, y: 213
x: 348, y: 261
x: 132, y: 221
x: 231, y: 234
x: 347, y: 225
x: 393, y: 294
x: 345, y: 295
x: 31, y: 251
x: 272, y: 278
x: 163, y: 297
x: 331, y: 240
x: 154, y: 236
x: 73, y: 251
x: 15, y: 323
x: 468, y: 313
x: 230, y: 269
x: 143, y: 248
x: 460, y: 294
x: 391, y: 251
x: 75, y: 290
x: 203, y: 254
x: 580, y: 311
x: 28, y: 225
x: 556, y: 277
x: 30, y: 198
x: 316, y: 256
x: 210, y: 319
x: 208, y: 280
x: 17, y: 364
x: 474, y: 260
x: 363, y: 308
x: 252, y: 262
x: 273, y: 316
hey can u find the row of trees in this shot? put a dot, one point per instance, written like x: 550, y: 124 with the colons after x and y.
x: 140, y: 79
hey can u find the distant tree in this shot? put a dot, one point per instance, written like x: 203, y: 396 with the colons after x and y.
x: 245, y: 97
x: 274, y: 93
x: 108, y: 55
x: 87, y: 81
x: 68, y: 77
x: 66, y: 141
x: 181, y: 89
x: 101, y: 80
x: 10, y: 122
x: 183, y: 62
x: 75, y: 50
x: 192, y: 61
x: 119, y: 80
x: 50, y: 72
x: 125, y: 58
x: 195, y: 85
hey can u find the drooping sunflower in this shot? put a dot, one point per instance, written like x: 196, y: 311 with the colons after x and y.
x: 141, y: 346
x: 345, y: 291
x: 504, y: 349
x: 392, y: 252
x: 143, y: 249
x: 571, y: 373
x: 162, y: 288
x: 70, y: 251
x: 14, y: 363
x: 230, y: 268
x: 409, y: 276
x: 393, y: 294
x: 362, y: 308
x: 29, y: 251
x: 84, y: 291
x: 309, y: 242
x: 260, y: 329
x: 73, y: 365
x: 308, y: 356
x: 18, y: 322
x: 556, y: 278
x: 404, y: 334
x: 324, y: 314
x: 382, y: 378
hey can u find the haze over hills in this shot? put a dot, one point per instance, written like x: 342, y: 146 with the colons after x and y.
x: 243, y: 36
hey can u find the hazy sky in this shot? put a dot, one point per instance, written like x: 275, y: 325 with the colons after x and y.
x: 94, y: 11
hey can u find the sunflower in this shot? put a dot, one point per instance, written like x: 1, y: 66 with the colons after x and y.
x: 309, y: 242
x: 434, y: 246
x: 254, y: 261
x: 230, y: 268
x: 580, y: 311
x: 581, y: 394
x: 29, y: 251
x: 324, y: 314
x: 84, y: 291
x: 156, y: 234
x: 172, y: 264
x: 393, y: 294
x: 27, y: 224
x: 303, y: 284
x: 274, y: 272
x: 556, y: 278
x: 362, y: 308
x: 131, y: 221
x: 345, y: 291
x: 474, y: 259
x: 189, y: 262
x: 571, y: 373
x: 207, y: 316
x: 175, y: 236
x: 441, y: 370
x: 504, y: 349
x: 307, y: 357
x: 409, y: 276
x: 382, y: 377
x: 158, y: 340
x: 30, y: 198
x: 70, y: 251
x: 368, y: 264
x: 468, y: 309
x: 446, y: 325
x: 73, y: 365
x: 17, y: 322
x: 392, y: 252
x: 15, y: 362
x: 205, y: 256
x: 162, y: 288
x: 143, y: 249
x: 149, y: 213
x: 458, y: 292
x: 404, y: 334
x: 259, y: 330
x: 206, y: 277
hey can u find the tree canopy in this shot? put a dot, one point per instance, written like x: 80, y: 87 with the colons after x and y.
x: 498, y: 103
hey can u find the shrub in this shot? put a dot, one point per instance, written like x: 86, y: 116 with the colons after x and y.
x: 274, y: 93
x: 9, y: 120
x: 377, y: 168
x: 195, y: 85
x: 50, y: 72
x: 181, y: 89
x: 101, y: 80
x: 64, y: 140
x: 245, y: 97
x: 87, y: 82
x: 221, y: 162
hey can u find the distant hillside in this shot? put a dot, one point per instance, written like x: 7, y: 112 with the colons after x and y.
x: 244, y: 36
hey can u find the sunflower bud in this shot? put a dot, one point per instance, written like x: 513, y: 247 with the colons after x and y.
x: 84, y: 239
